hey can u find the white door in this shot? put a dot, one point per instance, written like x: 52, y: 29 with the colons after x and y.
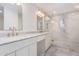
x: 22, y: 52
x: 33, y: 49
x: 47, y: 42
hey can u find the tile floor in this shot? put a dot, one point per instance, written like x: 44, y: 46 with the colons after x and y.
x: 60, y: 51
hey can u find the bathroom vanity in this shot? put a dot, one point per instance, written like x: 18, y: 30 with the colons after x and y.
x: 25, y: 18
x: 21, y: 45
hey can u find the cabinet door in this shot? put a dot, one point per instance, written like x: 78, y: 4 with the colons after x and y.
x: 11, y: 54
x: 41, y: 47
x: 47, y: 42
x: 22, y: 52
x: 33, y: 49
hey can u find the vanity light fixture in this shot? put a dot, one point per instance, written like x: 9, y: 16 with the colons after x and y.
x: 40, y: 13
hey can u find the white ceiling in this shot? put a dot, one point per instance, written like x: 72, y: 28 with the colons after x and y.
x: 58, y: 7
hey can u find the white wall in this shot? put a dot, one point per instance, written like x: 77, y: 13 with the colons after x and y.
x: 72, y: 22
x: 57, y: 34
x: 69, y: 38
x: 54, y: 26
x: 10, y: 17
x: 29, y: 17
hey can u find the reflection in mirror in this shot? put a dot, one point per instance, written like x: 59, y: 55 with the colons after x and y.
x: 1, y: 18
x: 39, y: 23
x: 20, y: 23
x: 46, y: 20
x: 10, y: 16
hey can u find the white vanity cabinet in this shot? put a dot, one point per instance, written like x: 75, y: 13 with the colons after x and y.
x: 23, y: 47
x: 11, y: 54
x: 22, y: 52
x: 33, y: 49
x: 47, y: 41
x: 30, y: 50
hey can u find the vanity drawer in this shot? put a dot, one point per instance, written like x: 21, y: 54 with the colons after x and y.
x: 8, y: 48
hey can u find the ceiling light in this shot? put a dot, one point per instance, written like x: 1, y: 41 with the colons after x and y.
x: 77, y: 6
x: 40, y: 13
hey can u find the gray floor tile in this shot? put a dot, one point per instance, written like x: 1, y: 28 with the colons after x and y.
x: 60, y: 51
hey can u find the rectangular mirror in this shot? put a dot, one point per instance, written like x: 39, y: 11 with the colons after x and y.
x: 45, y: 25
x: 39, y: 23
x: 10, y: 16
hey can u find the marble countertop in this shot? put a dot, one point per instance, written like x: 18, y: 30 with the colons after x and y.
x: 6, y: 40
